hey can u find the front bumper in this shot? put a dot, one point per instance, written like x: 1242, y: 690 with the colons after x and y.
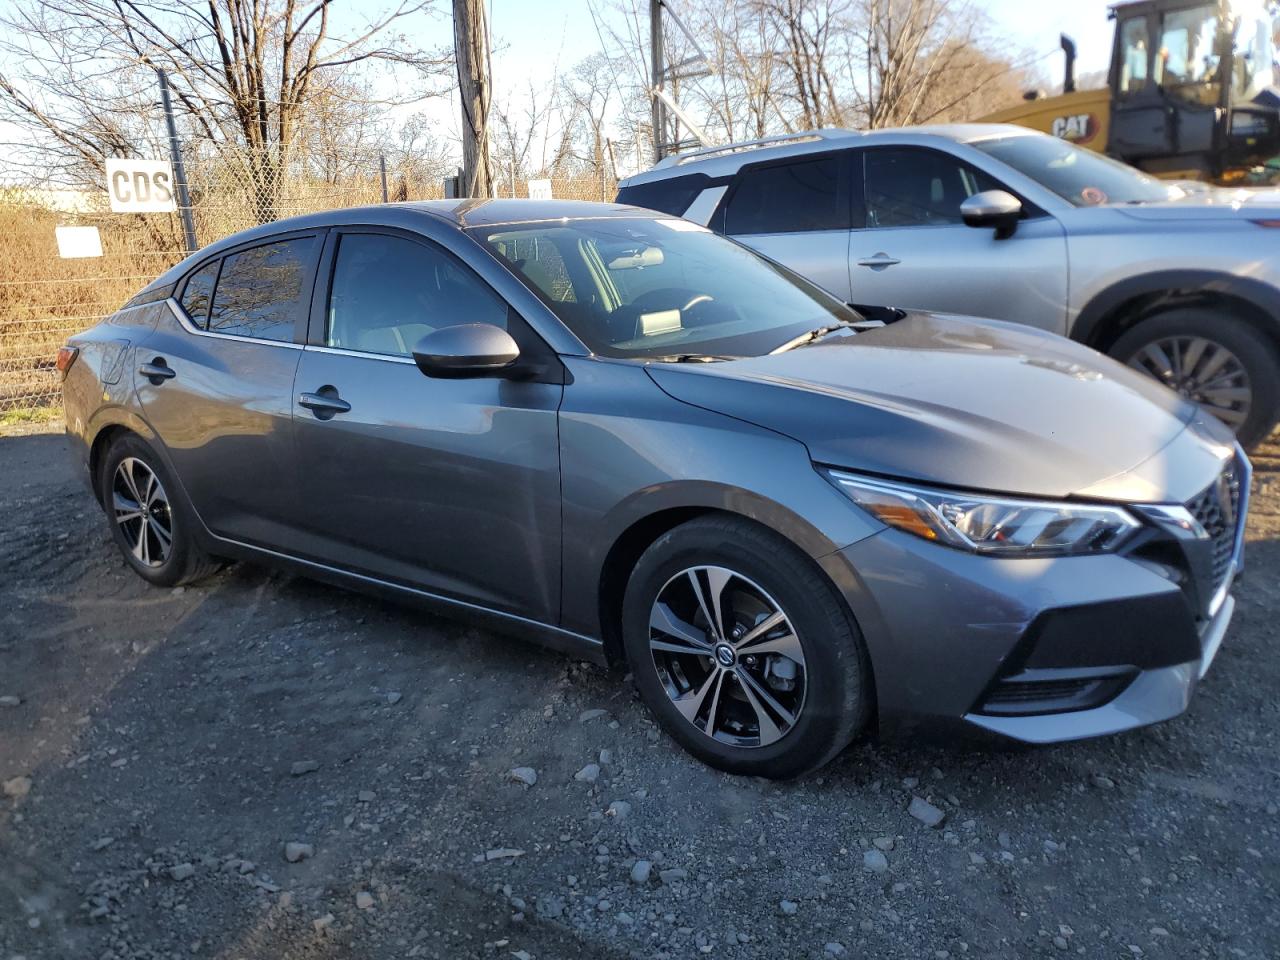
x: 1034, y: 650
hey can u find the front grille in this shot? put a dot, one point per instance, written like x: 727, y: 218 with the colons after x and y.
x: 1216, y: 508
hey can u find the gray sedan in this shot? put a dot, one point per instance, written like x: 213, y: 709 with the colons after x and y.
x: 619, y: 434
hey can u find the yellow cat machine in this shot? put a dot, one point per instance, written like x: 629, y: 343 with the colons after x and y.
x: 1189, y: 92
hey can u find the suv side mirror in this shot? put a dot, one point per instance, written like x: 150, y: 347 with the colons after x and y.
x: 466, y: 350
x: 992, y: 208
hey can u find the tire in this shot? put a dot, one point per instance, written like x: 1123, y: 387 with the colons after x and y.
x: 758, y: 574
x: 1251, y: 354
x: 128, y: 470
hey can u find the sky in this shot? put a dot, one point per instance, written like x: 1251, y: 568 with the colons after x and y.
x: 532, y: 37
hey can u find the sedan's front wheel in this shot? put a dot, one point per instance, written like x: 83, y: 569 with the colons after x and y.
x: 741, y: 647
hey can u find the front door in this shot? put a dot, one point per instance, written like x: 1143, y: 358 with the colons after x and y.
x: 916, y: 253
x: 451, y: 486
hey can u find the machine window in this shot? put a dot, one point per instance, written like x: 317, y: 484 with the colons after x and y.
x: 260, y: 290
x: 389, y: 292
x: 788, y: 198
x: 1134, y: 55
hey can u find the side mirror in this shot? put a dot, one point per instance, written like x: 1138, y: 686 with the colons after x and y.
x: 993, y: 208
x: 466, y: 350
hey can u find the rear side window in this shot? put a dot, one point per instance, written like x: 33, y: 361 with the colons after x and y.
x: 389, y: 292
x: 671, y: 196
x: 199, y: 292
x: 919, y: 188
x: 260, y: 290
x: 788, y: 198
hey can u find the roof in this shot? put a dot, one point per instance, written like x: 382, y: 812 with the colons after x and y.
x: 725, y: 160
x: 462, y: 214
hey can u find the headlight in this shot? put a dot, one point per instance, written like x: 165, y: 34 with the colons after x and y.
x: 996, y: 526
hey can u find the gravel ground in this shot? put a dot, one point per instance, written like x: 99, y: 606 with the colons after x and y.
x: 261, y: 766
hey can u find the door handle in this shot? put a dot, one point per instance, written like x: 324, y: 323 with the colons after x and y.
x: 157, y: 371
x: 878, y: 261
x: 324, y: 403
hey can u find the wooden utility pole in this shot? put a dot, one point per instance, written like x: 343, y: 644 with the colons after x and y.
x: 657, y: 73
x: 471, y: 51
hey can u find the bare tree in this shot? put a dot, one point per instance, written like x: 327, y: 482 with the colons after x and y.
x: 245, y: 75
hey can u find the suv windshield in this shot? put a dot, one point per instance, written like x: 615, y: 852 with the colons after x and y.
x: 652, y: 289
x: 1079, y: 176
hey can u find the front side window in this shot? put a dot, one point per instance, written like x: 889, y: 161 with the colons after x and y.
x: 260, y: 290
x: 645, y: 288
x: 389, y: 292
x: 1135, y: 54
x: 198, y: 292
x: 918, y: 188
x: 788, y: 198
x: 1079, y: 176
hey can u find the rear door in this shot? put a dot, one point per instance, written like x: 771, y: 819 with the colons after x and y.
x: 215, y: 381
x: 795, y: 211
x: 451, y: 486
x: 916, y: 253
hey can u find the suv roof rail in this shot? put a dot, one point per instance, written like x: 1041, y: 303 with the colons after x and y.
x: 802, y: 136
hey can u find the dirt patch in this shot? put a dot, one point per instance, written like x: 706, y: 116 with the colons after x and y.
x: 161, y: 731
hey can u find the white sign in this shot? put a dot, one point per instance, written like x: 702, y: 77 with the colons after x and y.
x: 78, y: 242
x: 140, y: 186
x: 539, y: 189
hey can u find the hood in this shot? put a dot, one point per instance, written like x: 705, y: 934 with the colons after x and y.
x: 1213, y: 203
x: 969, y: 403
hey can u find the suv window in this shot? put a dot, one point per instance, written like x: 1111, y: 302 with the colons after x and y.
x: 389, y: 292
x: 259, y: 291
x: 919, y: 188
x: 788, y: 198
x: 198, y: 292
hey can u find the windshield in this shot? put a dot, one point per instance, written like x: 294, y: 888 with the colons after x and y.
x: 647, y: 288
x: 1079, y: 176
x: 1256, y: 35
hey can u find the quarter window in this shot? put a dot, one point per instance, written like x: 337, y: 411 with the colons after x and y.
x: 389, y: 292
x: 918, y: 188
x: 260, y: 291
x: 788, y: 198
x: 198, y: 293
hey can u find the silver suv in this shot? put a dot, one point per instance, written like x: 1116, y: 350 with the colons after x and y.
x: 1182, y: 283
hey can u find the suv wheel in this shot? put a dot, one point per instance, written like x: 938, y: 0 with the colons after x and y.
x: 1215, y: 359
x: 150, y: 522
x: 743, y: 650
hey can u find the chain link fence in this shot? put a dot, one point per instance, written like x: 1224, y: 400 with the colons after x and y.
x: 44, y: 299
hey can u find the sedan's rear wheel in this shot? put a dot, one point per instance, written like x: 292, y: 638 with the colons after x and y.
x: 743, y: 650
x: 150, y: 522
x: 1214, y: 359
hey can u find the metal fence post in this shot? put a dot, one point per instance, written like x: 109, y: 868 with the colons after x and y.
x: 179, y: 172
x: 382, y: 165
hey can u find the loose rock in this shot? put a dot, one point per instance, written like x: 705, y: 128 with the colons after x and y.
x: 364, y: 900
x: 293, y: 852
x: 17, y: 787
x: 789, y: 907
x: 526, y: 775
x: 619, y: 809
x: 10, y: 701
x: 641, y: 872
x: 304, y: 766
x: 883, y: 843
x: 926, y: 812
x: 588, y: 774
x: 586, y: 716
x: 834, y: 949
x: 183, y: 871
x: 875, y: 861
x: 673, y: 875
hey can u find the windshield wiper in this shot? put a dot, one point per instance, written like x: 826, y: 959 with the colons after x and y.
x: 818, y: 334
x: 691, y: 358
